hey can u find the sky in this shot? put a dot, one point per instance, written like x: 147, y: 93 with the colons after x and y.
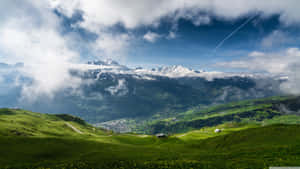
x: 49, y: 36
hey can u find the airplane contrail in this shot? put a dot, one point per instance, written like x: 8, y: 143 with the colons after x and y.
x: 233, y: 32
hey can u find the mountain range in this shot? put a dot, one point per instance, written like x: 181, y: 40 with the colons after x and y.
x: 110, y: 91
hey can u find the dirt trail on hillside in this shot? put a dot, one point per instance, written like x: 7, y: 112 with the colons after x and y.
x: 182, y: 135
x: 73, y: 128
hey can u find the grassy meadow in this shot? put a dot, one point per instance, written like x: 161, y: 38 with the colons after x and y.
x: 34, y: 140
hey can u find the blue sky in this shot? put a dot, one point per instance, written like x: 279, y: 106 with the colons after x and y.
x: 194, y: 45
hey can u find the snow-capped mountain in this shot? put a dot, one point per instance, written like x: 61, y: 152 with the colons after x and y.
x: 170, y: 71
x: 107, y: 62
x: 176, y: 71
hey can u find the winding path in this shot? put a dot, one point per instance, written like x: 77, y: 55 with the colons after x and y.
x: 73, y: 128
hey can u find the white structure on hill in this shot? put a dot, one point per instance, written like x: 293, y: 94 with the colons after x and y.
x: 218, y: 130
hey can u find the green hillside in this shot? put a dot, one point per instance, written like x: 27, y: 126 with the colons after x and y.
x: 16, y: 122
x: 33, y: 140
x: 260, y: 111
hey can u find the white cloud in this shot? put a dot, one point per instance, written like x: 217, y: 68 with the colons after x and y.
x: 171, y: 35
x: 276, y: 38
x: 276, y: 63
x: 200, y: 20
x: 134, y: 13
x: 32, y: 36
x: 293, y: 83
x: 194, y: 16
x: 120, y: 89
x: 151, y: 36
x: 286, y: 62
x: 111, y: 46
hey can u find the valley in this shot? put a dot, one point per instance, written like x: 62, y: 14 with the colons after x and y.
x: 267, y: 138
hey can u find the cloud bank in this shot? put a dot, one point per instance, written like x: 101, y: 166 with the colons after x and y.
x: 286, y: 62
x: 134, y: 13
x: 31, y: 35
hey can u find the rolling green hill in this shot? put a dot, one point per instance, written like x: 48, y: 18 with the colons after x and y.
x: 16, y: 122
x: 33, y: 140
x: 260, y: 111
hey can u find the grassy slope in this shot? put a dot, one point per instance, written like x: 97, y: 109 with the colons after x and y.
x: 46, y: 142
x: 251, y: 112
x: 15, y: 122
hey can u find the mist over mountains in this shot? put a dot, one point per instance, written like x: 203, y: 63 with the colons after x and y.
x: 110, y: 91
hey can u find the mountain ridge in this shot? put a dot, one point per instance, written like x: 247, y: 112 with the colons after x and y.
x: 172, y: 71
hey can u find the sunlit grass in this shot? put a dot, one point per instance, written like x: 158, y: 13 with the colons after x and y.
x: 44, y: 141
